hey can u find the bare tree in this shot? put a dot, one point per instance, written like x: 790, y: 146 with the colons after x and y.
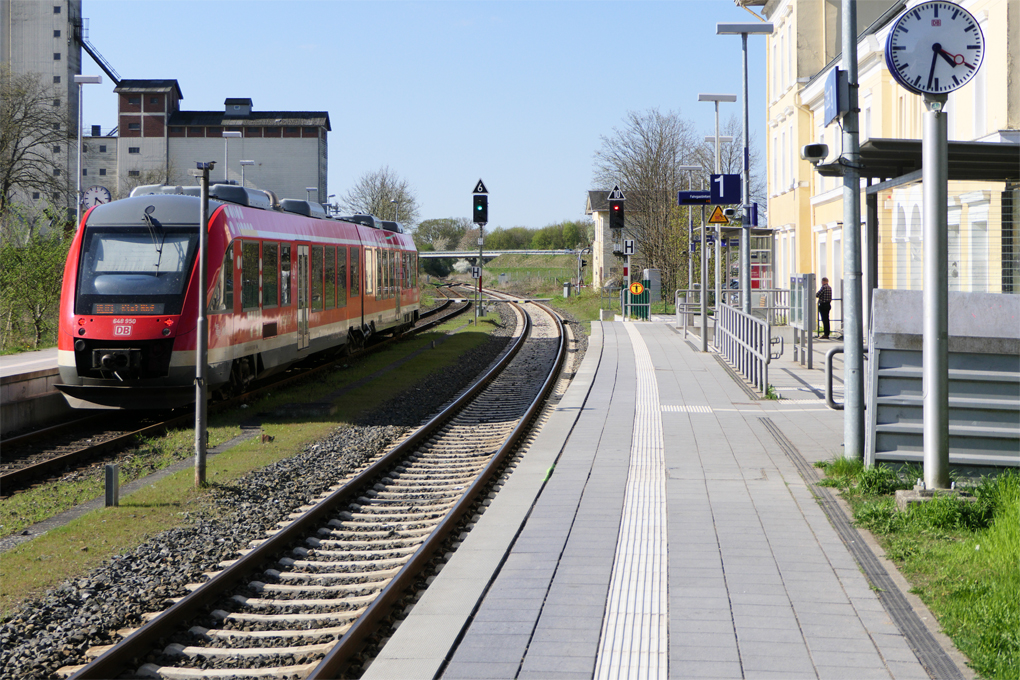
x: 643, y: 158
x: 384, y: 194
x: 33, y: 126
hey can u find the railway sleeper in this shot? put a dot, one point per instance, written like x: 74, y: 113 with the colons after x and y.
x: 327, y: 547
x: 151, y: 670
x: 438, y: 499
x: 390, y: 517
x: 335, y: 632
x: 381, y: 525
x: 240, y: 653
x: 314, y: 590
x: 335, y: 576
x: 340, y: 604
x: 247, y: 618
x: 313, y: 564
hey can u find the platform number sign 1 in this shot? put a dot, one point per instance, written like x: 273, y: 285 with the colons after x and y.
x: 725, y: 189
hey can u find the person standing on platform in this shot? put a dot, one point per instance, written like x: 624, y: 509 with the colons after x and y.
x: 824, y: 296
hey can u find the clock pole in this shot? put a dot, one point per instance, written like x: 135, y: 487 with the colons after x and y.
x: 935, y: 325
x: 853, y: 326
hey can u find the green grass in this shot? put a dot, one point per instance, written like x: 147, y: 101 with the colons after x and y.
x: 84, y: 543
x: 962, y: 559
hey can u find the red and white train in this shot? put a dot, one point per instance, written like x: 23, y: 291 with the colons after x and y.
x: 284, y: 282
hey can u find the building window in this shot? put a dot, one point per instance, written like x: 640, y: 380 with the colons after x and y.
x: 56, y: 126
x: 56, y: 80
x: 102, y: 148
x: 133, y: 173
x: 292, y: 130
x: 134, y: 149
x: 135, y: 101
x: 56, y: 9
x: 177, y: 129
x: 153, y: 100
x: 102, y: 172
x: 84, y: 171
x: 272, y: 130
x: 35, y: 195
x: 56, y: 149
x: 56, y: 32
x: 56, y: 171
x: 56, y: 102
x: 56, y: 56
x: 134, y: 127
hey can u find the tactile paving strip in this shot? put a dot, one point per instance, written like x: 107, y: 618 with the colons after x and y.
x: 635, y: 629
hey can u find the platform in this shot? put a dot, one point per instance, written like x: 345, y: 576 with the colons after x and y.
x: 28, y: 397
x: 664, y: 524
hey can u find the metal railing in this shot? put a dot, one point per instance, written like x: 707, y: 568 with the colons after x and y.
x: 687, y: 304
x: 744, y: 340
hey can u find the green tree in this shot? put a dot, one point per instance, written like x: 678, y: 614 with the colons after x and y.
x: 442, y: 234
x: 30, y: 280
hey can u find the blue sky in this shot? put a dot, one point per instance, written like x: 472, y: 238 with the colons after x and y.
x: 443, y: 93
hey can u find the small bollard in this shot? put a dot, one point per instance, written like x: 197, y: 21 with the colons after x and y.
x: 112, y: 485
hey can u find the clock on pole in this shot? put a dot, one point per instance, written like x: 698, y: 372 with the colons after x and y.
x: 95, y: 195
x: 935, y: 48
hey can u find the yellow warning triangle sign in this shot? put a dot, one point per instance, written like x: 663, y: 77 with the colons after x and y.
x: 718, y: 217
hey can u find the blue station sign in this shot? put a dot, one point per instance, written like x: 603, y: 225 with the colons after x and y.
x: 694, y: 198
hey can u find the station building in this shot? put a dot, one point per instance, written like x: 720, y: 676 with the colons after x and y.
x: 155, y: 140
x: 806, y: 206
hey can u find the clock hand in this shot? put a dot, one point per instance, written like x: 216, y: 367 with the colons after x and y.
x: 936, y: 48
x: 954, y: 59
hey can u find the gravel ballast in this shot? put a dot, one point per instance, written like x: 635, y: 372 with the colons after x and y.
x: 56, y: 628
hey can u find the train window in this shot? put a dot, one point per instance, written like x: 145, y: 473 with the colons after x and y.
x: 222, y: 297
x: 380, y: 261
x: 270, y: 274
x: 249, y: 274
x: 414, y: 270
x: 285, y: 274
x: 355, y: 272
x: 341, y: 277
x: 330, y: 270
x: 316, y: 278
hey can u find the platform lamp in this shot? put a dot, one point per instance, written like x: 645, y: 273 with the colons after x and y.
x: 81, y: 81
x: 244, y: 164
x: 715, y: 99
x: 231, y: 134
x: 743, y: 30
x: 690, y: 219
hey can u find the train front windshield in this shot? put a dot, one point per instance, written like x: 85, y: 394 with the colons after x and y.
x: 136, y: 271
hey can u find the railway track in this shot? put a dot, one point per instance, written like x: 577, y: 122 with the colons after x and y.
x: 304, y: 601
x: 42, y: 454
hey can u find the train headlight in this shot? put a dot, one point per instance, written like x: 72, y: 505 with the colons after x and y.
x: 166, y: 332
x: 79, y: 345
x: 81, y: 331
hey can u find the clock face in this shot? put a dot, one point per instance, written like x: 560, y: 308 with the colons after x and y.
x: 94, y: 196
x: 934, y: 48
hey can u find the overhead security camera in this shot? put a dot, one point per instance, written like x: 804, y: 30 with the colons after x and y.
x: 814, y: 153
x: 729, y: 213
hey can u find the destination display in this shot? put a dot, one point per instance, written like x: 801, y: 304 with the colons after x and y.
x: 127, y: 308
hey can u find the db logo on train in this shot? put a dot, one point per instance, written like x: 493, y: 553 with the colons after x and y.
x: 636, y: 288
x: 122, y: 330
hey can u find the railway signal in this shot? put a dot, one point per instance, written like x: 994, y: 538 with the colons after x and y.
x: 481, y: 211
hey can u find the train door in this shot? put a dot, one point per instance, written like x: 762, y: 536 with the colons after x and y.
x: 302, y: 297
x: 396, y: 257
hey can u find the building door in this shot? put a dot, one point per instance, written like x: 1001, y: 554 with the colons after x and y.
x: 303, y: 298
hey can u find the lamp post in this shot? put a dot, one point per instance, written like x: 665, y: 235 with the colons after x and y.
x: 309, y: 191
x: 716, y: 98
x: 201, y: 172
x: 743, y: 30
x: 244, y: 164
x: 396, y: 210
x: 81, y: 81
x: 226, y: 157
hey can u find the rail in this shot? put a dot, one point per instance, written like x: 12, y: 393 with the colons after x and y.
x: 744, y: 341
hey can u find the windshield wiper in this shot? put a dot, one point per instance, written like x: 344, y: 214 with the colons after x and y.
x: 151, y: 223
